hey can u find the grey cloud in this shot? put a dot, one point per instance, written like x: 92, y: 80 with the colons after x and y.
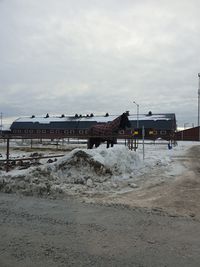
x: 99, y: 56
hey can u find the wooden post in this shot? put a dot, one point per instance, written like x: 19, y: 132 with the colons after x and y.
x: 7, y: 155
x: 143, y: 136
x: 135, y: 145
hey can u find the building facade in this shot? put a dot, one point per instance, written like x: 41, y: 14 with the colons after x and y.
x: 51, y: 127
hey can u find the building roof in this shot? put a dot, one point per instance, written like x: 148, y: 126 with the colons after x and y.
x: 161, y: 121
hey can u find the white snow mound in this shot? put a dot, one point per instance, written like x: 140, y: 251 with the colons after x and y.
x: 118, y: 161
x: 96, y: 170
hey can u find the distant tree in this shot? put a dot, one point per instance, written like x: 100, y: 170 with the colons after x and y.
x: 150, y: 113
x: 76, y: 115
x: 106, y: 114
x: 62, y: 116
x: 47, y: 116
x: 91, y: 115
x: 33, y: 116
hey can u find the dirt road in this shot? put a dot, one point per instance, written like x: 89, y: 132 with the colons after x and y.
x: 43, y: 232
x: 177, y: 196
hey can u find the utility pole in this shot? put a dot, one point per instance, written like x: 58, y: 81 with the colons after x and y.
x: 137, y: 114
x: 1, y: 122
x: 199, y: 105
x: 137, y: 141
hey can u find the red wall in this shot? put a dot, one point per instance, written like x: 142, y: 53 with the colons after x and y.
x: 191, y: 134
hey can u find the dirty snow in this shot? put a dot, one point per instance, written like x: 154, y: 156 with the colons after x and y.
x: 96, y: 171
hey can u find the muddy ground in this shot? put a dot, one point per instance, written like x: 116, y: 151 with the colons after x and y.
x: 156, y: 225
x: 179, y: 196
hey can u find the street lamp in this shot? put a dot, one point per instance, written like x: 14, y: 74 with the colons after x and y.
x: 1, y: 126
x: 137, y: 114
x: 199, y: 104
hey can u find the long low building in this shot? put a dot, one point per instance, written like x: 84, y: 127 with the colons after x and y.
x: 51, y: 127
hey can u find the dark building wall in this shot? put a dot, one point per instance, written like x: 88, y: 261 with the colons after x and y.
x: 52, y: 125
x: 156, y: 126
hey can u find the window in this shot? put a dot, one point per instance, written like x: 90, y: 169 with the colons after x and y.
x: 163, y: 132
x: 136, y: 132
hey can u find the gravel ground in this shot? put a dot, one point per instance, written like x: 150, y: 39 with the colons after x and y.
x: 45, y: 232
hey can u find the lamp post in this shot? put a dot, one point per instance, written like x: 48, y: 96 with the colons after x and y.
x: 1, y: 122
x: 137, y: 113
x: 199, y: 104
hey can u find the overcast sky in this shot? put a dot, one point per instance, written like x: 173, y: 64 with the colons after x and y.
x: 83, y: 56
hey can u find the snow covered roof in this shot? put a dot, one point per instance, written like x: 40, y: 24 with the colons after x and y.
x: 156, y: 121
x: 45, y: 120
x: 132, y: 117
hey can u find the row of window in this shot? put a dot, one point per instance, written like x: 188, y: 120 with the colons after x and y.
x: 31, y: 131
x: 151, y: 132
x: 81, y: 132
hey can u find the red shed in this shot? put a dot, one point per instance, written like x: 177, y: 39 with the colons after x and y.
x: 191, y: 134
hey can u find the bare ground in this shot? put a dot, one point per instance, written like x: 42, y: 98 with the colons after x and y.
x: 179, y: 196
x: 38, y: 232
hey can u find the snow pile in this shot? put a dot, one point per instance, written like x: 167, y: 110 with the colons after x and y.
x: 98, y: 171
x: 94, y: 171
x: 80, y: 171
x: 117, y: 161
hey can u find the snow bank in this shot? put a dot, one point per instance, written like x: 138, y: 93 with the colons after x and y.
x: 81, y: 170
x: 97, y: 171
x: 117, y: 161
